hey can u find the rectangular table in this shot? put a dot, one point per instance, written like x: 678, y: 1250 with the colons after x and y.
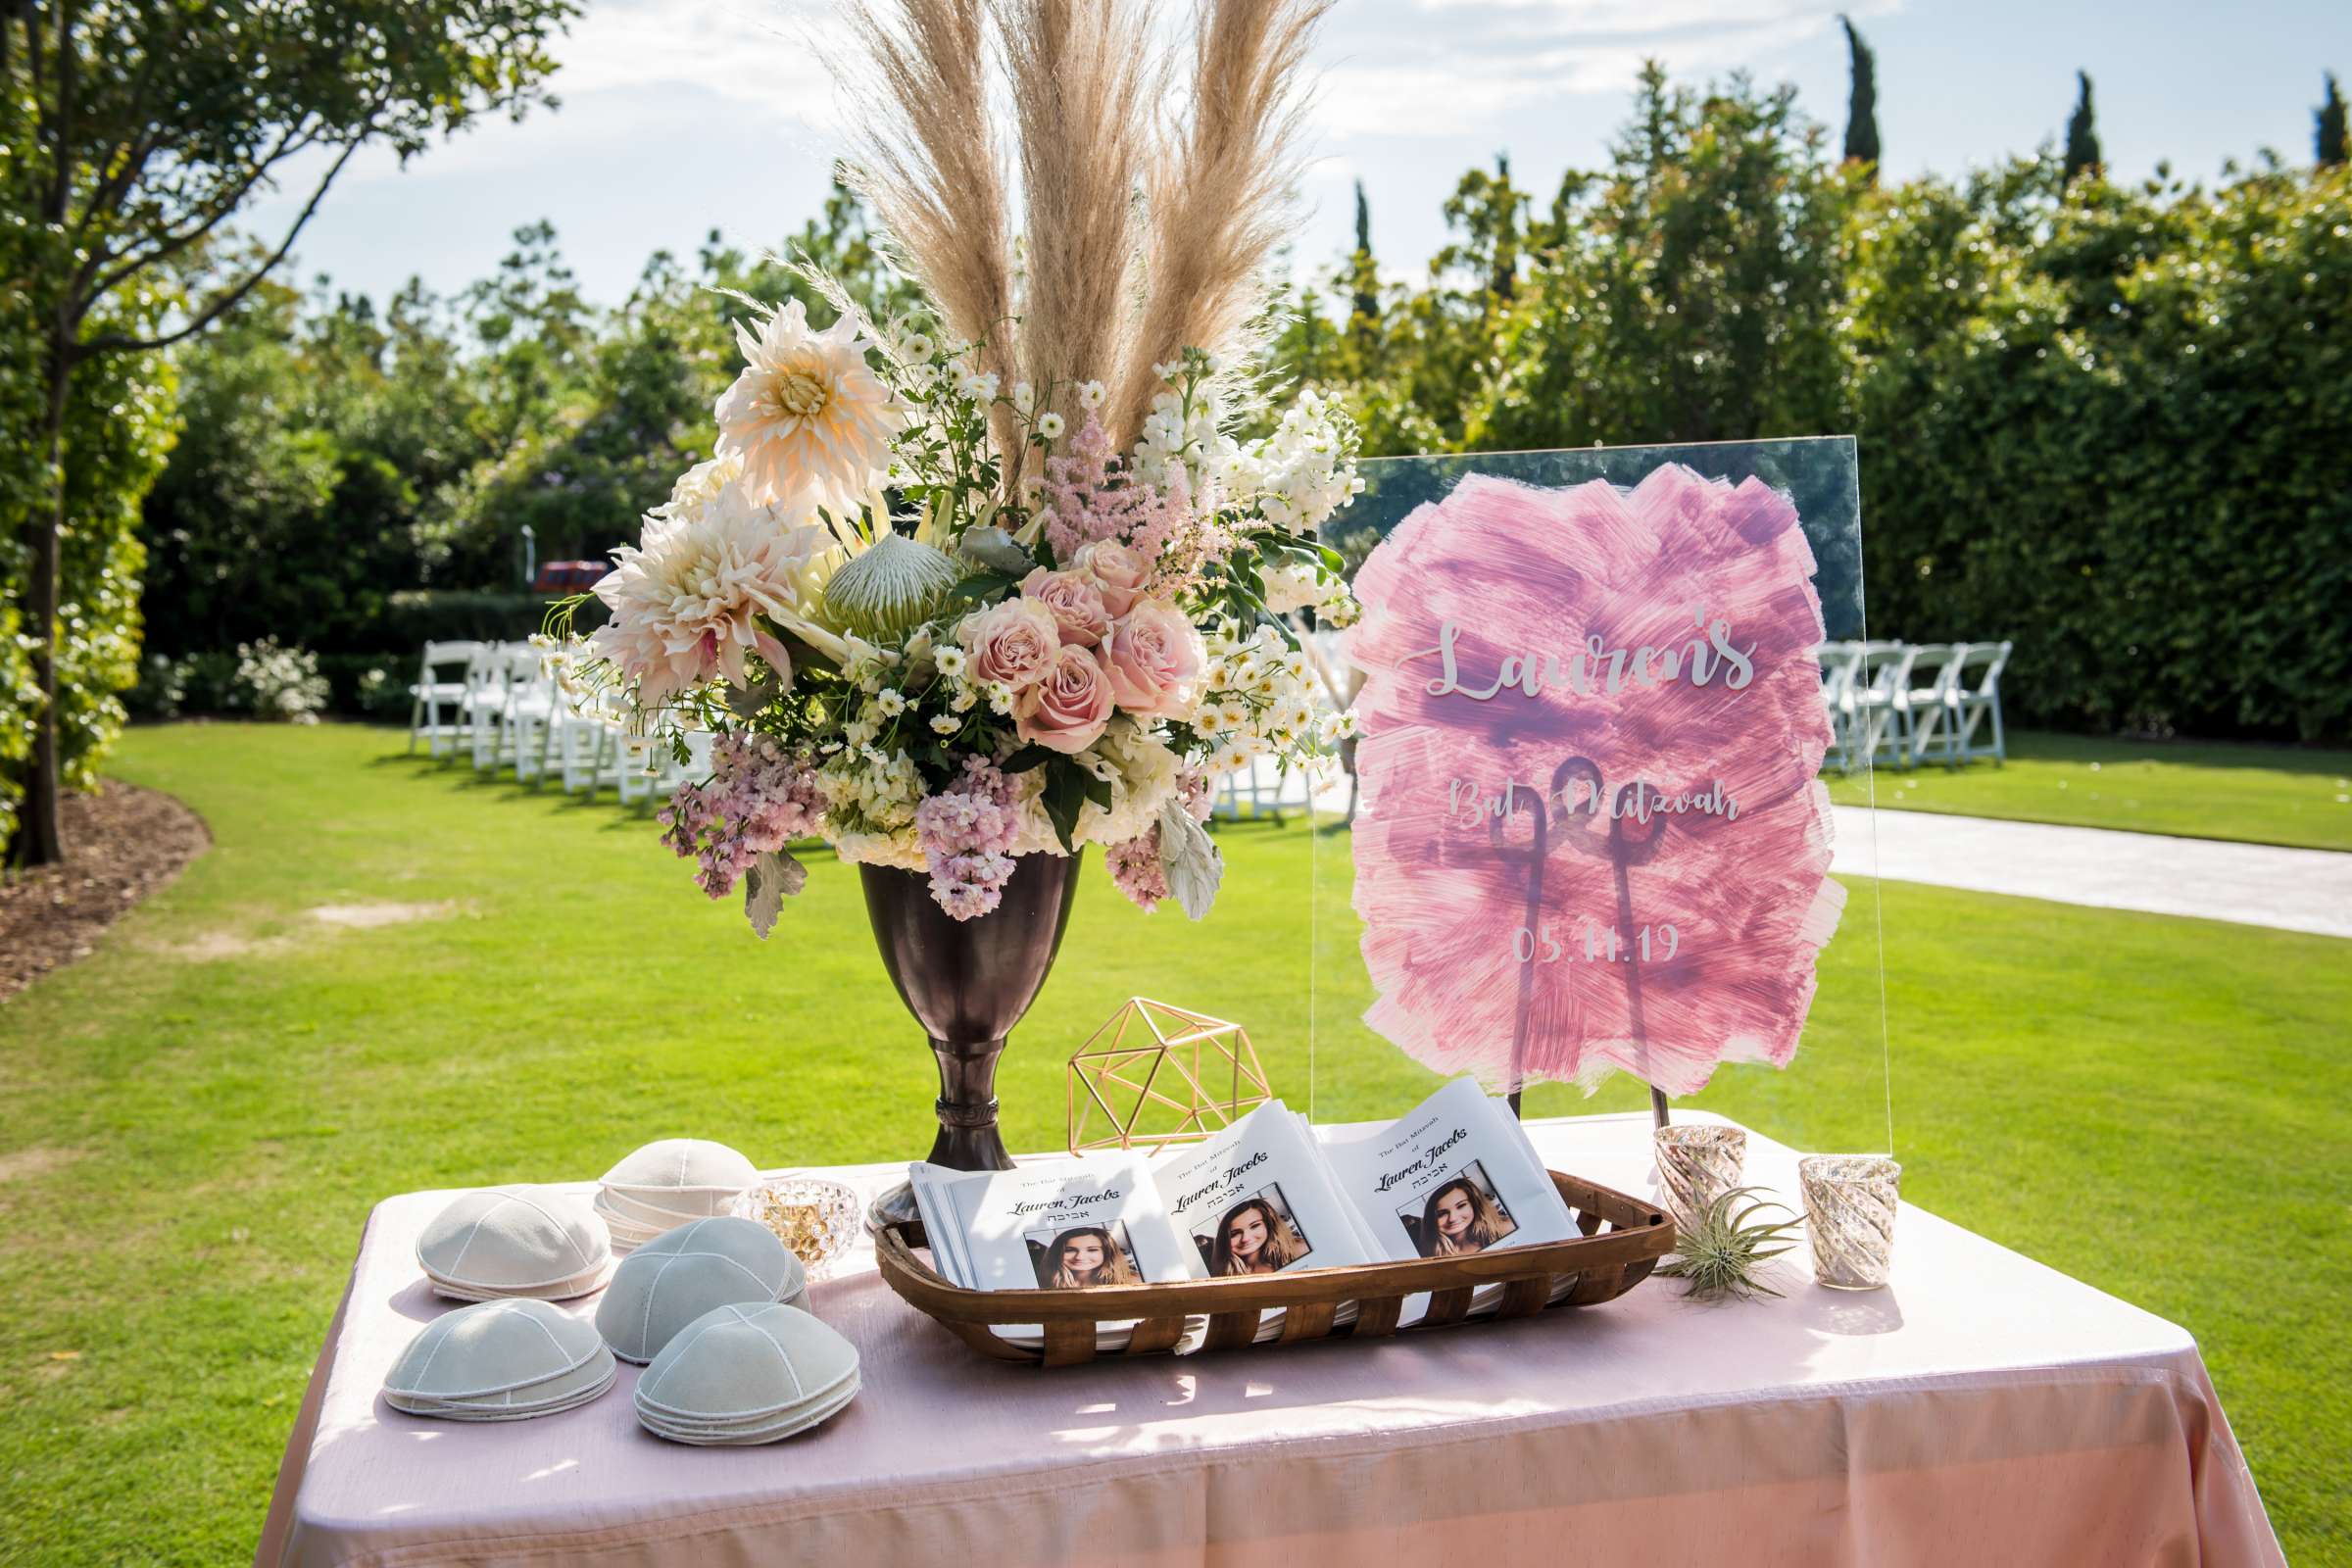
x: 1981, y: 1410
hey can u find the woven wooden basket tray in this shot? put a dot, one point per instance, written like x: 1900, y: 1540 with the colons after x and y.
x: 1622, y: 1242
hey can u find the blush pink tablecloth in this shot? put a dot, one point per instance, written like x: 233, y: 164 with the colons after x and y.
x: 1981, y: 1410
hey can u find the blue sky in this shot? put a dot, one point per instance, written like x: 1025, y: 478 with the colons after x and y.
x: 680, y: 116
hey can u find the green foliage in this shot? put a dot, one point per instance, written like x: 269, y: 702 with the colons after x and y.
x: 2327, y: 136
x: 1716, y: 1257
x: 1690, y: 292
x: 130, y: 135
x: 2082, y: 135
x: 1862, y: 100
x: 2118, y: 441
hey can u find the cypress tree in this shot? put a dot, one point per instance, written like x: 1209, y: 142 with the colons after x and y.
x: 2081, y: 136
x: 1367, y: 303
x: 2327, y: 138
x: 1862, y: 102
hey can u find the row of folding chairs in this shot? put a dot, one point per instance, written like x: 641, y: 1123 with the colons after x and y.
x: 1911, y: 703
x: 498, y: 703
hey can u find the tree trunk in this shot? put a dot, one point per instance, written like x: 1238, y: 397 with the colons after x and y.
x: 39, y: 838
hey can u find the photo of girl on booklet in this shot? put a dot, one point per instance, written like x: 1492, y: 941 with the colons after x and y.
x: 1255, y: 1236
x: 1082, y: 1258
x: 1463, y: 1216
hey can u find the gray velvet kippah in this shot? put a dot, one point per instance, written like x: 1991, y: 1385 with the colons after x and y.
x: 683, y: 1273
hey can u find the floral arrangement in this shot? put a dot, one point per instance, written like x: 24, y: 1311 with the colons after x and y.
x: 1013, y: 573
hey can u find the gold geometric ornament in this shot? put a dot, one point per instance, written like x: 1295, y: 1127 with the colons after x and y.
x: 1156, y: 1074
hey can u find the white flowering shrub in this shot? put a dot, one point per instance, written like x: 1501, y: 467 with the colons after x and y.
x: 281, y: 683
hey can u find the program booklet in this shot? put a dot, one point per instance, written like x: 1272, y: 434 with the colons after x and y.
x: 1265, y: 1196
x: 1456, y: 1175
x: 1064, y: 1226
x: 1258, y: 1199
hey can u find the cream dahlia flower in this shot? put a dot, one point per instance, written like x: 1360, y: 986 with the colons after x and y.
x: 685, y: 601
x: 809, y: 416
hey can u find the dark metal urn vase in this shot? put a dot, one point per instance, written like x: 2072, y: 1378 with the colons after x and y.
x: 968, y: 982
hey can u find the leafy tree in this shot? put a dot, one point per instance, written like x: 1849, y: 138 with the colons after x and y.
x: 2081, y: 135
x: 134, y: 131
x: 1862, y: 100
x: 1488, y: 211
x: 1696, y: 289
x: 1363, y: 274
x: 2326, y: 136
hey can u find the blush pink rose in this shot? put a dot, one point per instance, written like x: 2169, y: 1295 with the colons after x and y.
x: 1067, y: 710
x: 1075, y: 600
x: 1013, y: 642
x: 1116, y: 571
x: 1155, y: 655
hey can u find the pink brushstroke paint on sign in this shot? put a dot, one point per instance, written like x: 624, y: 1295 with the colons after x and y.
x: 1594, y: 835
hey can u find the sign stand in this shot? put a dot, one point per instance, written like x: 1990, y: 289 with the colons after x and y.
x: 1622, y: 854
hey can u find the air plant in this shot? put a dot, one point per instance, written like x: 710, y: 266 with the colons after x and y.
x: 1717, y: 1257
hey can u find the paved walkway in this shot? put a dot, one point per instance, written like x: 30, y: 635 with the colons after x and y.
x: 2251, y: 883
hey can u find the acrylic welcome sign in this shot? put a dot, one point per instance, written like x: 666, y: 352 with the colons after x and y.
x: 1594, y: 835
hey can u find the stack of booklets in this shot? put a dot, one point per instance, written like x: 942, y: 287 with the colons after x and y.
x: 1267, y: 1194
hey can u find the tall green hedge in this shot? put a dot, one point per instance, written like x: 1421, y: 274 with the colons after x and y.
x: 2119, y: 431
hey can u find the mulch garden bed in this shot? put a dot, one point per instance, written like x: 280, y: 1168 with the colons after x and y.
x: 121, y: 844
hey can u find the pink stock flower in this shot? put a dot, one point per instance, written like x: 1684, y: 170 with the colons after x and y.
x: 1013, y: 642
x: 1067, y: 710
x: 1156, y: 656
x: 758, y: 799
x: 1075, y: 600
x: 967, y: 831
x: 1136, y: 869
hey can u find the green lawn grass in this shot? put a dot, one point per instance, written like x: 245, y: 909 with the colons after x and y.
x: 2291, y: 795
x: 201, y: 1113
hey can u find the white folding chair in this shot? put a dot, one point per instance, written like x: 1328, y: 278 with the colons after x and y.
x: 1880, y: 704
x: 527, y: 722
x: 1930, y: 703
x: 437, y: 706
x: 1839, y: 665
x: 638, y: 763
x: 488, y: 681
x: 1342, y: 683
x: 1977, y: 697
x: 1260, y: 786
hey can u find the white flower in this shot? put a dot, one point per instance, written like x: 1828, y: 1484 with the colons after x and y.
x: 964, y: 700
x: 685, y: 600
x: 1292, y: 586
x: 810, y: 420
x: 950, y: 661
x: 999, y: 696
x: 1024, y: 398
x: 891, y: 702
x: 944, y: 723
x: 915, y: 346
x: 1049, y: 426
x: 1091, y: 395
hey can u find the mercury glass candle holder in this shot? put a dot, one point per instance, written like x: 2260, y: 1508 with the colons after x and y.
x: 1697, y: 1163
x: 1850, y: 1202
x: 816, y: 1219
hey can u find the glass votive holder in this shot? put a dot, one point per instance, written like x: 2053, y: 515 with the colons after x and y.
x: 1697, y: 1163
x: 1850, y: 1202
x: 816, y: 1219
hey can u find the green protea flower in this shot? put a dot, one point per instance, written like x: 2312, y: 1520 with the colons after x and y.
x: 892, y: 587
